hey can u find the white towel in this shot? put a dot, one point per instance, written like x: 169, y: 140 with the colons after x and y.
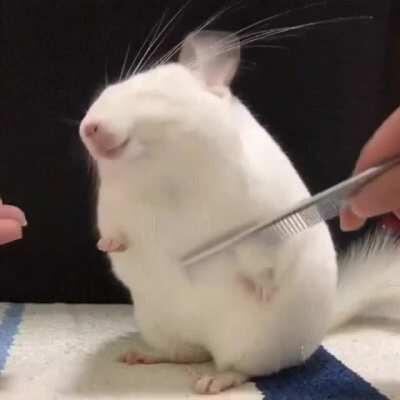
x: 60, y: 351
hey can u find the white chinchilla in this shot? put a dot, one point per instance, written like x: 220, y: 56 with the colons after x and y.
x: 181, y: 160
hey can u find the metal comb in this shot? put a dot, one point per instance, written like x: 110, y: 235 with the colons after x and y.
x: 323, y: 206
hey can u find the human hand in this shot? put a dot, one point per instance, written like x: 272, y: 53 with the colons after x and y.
x: 382, y: 195
x: 12, y: 219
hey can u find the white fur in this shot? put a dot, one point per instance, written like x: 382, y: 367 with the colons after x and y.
x: 198, y: 164
x: 369, y: 277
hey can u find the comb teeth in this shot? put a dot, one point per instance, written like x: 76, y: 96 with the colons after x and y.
x: 329, y: 208
x: 311, y: 215
x: 289, y: 226
x: 298, y: 222
x: 321, y: 207
x: 306, y: 218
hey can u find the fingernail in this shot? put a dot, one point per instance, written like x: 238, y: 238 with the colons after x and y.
x: 24, y: 221
x: 350, y: 220
x: 357, y: 211
x: 343, y: 218
x: 344, y: 227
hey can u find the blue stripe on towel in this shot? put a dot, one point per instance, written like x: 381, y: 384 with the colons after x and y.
x: 322, y: 377
x: 8, y: 329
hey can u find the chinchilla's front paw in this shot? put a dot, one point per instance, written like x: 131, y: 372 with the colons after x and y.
x: 263, y: 287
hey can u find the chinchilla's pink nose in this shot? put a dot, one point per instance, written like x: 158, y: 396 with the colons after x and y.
x: 99, y: 138
x: 90, y: 128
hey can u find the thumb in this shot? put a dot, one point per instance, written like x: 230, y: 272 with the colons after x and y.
x: 10, y: 230
x: 349, y: 221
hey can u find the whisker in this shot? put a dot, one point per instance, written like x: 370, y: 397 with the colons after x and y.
x: 250, y: 38
x: 159, y: 35
x: 106, y: 80
x: 273, y: 17
x: 267, y: 46
x: 69, y: 121
x: 171, y: 53
x: 153, y: 31
x: 177, y: 47
x: 273, y: 33
x: 247, y: 67
x: 151, y: 44
x: 166, y: 33
x: 124, y: 62
x: 277, y: 31
x: 167, y: 56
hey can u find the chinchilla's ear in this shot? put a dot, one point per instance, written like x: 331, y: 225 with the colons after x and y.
x: 213, y: 56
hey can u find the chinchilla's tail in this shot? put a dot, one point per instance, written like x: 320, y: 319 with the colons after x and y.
x: 369, y: 275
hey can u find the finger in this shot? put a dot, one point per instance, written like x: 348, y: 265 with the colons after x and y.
x: 383, y: 145
x: 10, y: 230
x: 349, y: 221
x: 378, y: 197
x: 12, y: 212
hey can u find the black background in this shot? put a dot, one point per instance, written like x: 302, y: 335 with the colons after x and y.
x: 322, y: 95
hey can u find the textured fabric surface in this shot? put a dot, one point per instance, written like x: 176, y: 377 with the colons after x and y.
x: 321, y: 92
x: 68, y: 352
